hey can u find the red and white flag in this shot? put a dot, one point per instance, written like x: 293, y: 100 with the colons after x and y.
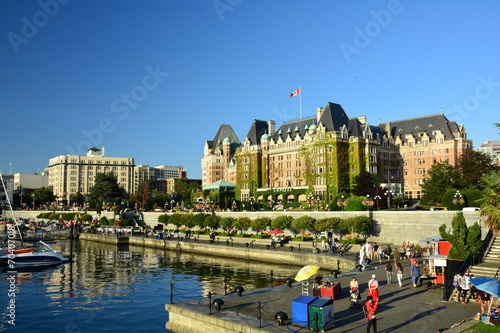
x: 295, y: 93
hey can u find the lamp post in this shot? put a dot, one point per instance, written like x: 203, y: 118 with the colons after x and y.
x: 234, y: 205
x: 377, y: 197
x: 172, y: 204
x: 367, y: 202
x: 317, y: 202
x: 388, y: 194
x: 341, y: 202
x: 251, y: 203
x: 458, y: 198
x: 310, y: 196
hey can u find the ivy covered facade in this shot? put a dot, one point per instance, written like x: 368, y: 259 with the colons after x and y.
x: 308, y: 161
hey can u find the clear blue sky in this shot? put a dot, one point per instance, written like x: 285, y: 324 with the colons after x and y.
x: 154, y: 80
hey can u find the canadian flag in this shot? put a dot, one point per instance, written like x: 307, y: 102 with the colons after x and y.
x: 295, y: 93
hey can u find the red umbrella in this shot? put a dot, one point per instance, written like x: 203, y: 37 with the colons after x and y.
x: 276, y: 232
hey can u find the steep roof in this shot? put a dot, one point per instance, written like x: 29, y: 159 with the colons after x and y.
x: 258, y: 128
x: 426, y: 124
x: 334, y: 117
x: 225, y: 131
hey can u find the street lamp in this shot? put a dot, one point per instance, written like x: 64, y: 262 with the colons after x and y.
x: 310, y: 197
x: 388, y: 194
x: 172, y: 204
x: 251, y: 203
x: 458, y: 199
x: 367, y: 202
x: 317, y: 202
x: 341, y: 202
x: 377, y: 197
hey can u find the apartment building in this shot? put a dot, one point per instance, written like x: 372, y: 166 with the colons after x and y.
x: 69, y: 174
x: 157, y: 175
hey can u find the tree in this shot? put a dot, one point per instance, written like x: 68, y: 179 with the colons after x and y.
x: 260, y: 223
x: 142, y: 195
x: 303, y: 223
x: 243, y: 223
x: 227, y: 222
x: 77, y: 199
x: 106, y: 189
x: 282, y: 222
x: 365, y: 182
x: 463, y: 240
x: 211, y: 222
x: 440, y: 177
x: 490, y: 202
x: 43, y: 195
x: 473, y: 165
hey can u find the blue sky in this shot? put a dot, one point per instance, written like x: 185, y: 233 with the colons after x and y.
x: 154, y: 80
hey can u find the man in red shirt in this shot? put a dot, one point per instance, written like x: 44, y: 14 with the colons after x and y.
x: 369, y: 309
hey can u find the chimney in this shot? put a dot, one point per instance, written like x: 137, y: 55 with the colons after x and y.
x: 103, y: 151
x: 362, y: 119
x: 319, y: 112
x: 271, y: 127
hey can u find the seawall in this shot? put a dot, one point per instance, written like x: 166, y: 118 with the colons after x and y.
x: 393, y: 226
x: 245, y: 253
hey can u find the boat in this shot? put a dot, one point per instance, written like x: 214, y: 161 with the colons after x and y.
x: 43, y: 254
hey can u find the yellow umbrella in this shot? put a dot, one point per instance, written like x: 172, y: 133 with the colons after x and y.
x: 306, y: 272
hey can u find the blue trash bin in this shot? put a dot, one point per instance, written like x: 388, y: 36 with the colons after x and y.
x: 300, y: 310
x: 160, y: 235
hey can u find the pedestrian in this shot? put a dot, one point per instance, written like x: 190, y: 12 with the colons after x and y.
x: 370, y: 310
x: 456, y: 283
x: 399, y: 274
x: 415, y: 274
x: 373, y: 288
x: 388, y: 251
x: 380, y: 254
x: 362, y: 256
x: 388, y: 270
x: 369, y: 250
x: 485, y: 300
x: 396, y: 256
x: 465, y: 286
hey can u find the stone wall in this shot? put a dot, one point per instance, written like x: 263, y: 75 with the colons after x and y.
x: 393, y: 227
x: 246, y: 253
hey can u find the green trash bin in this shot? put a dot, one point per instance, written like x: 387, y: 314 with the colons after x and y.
x: 321, y: 314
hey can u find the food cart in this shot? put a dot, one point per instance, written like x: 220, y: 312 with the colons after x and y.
x: 438, y: 268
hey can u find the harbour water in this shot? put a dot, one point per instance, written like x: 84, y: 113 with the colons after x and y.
x: 112, y: 289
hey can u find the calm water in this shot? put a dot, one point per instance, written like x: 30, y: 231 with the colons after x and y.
x: 112, y: 289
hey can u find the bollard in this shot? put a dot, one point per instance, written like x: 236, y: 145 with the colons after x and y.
x: 218, y: 303
x: 239, y: 290
x: 291, y: 248
x: 281, y: 317
x: 289, y: 282
x: 335, y: 273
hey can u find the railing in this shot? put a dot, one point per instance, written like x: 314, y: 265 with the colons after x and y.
x: 471, y: 260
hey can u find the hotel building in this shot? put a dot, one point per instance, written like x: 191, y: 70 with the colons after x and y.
x: 69, y: 174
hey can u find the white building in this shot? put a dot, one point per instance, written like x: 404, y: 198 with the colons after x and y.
x: 6, y: 190
x: 69, y: 174
x: 30, y: 181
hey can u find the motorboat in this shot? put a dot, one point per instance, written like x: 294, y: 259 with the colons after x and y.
x: 42, y: 254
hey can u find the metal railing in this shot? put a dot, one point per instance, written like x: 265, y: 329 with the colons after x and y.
x: 472, y: 259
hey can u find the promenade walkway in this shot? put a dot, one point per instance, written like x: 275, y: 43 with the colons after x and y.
x: 405, y: 309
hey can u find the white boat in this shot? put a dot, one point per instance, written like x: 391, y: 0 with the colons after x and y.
x: 43, y: 254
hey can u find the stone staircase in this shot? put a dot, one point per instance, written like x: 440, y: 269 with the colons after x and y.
x: 491, y: 263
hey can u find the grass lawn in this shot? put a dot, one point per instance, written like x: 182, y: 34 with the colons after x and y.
x: 483, y: 328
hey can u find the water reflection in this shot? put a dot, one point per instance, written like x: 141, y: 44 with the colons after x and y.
x: 112, y: 288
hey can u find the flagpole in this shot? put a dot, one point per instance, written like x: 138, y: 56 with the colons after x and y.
x: 300, y: 99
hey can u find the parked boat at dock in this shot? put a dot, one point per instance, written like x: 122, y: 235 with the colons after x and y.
x: 41, y: 254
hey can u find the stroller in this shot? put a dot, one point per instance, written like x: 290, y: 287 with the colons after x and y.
x: 355, y: 298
